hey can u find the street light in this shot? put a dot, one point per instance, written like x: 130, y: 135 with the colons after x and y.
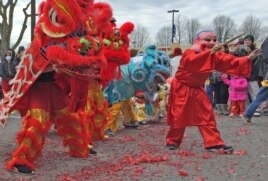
x: 33, y: 14
x: 173, y: 25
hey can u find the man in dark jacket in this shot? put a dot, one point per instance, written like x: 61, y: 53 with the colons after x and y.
x: 253, y: 80
x: 262, y: 94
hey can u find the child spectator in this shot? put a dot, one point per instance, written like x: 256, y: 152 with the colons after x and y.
x: 238, y: 93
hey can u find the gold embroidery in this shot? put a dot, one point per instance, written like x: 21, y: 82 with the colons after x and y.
x: 40, y: 115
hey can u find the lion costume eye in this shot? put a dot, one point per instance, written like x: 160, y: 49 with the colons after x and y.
x: 91, y: 26
x: 53, y: 17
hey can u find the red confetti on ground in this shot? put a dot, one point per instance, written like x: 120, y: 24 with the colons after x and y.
x: 186, y: 153
x: 198, y: 168
x: 242, y: 131
x: 139, y: 170
x: 183, y: 173
x: 144, y: 158
x: 128, y: 138
x: 67, y: 178
x: 200, y: 178
x: 240, y: 152
x: 206, y: 155
x: 231, y: 171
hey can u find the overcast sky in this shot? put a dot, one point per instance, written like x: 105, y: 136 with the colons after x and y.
x: 153, y: 13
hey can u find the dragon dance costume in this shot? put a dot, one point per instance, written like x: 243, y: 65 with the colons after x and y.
x: 143, y: 73
x: 68, y: 39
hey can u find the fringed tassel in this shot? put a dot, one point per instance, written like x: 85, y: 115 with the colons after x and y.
x: 98, y: 129
x: 74, y: 131
x: 19, y: 161
x: 26, y: 153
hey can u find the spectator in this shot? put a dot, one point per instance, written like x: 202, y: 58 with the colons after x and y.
x: 177, y: 52
x: 20, y: 53
x: 1, y: 92
x: 253, y: 86
x: 263, y: 91
x: 238, y: 93
x: 8, y: 68
x: 133, y: 52
x: 221, y: 93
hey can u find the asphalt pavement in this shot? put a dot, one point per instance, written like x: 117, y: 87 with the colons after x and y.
x: 140, y: 155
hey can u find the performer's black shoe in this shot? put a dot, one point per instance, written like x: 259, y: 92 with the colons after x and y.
x: 22, y: 169
x: 172, y: 146
x: 142, y: 122
x: 92, y: 152
x: 226, y: 149
x: 109, y: 132
x: 131, y: 125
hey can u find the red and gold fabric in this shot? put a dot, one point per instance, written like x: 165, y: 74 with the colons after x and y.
x: 41, y: 114
x: 126, y: 107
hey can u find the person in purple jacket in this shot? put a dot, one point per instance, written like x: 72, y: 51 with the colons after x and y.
x: 238, y: 94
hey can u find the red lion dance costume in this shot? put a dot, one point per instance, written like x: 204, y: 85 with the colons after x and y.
x: 68, y: 39
x: 94, y: 105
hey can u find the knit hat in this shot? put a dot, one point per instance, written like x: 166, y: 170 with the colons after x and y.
x: 249, y: 37
x: 177, y: 51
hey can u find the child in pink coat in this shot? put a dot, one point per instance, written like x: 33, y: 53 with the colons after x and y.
x: 238, y: 93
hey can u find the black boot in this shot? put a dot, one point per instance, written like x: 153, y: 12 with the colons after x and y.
x: 22, y: 169
x: 92, y: 152
x: 172, y: 146
x: 131, y: 125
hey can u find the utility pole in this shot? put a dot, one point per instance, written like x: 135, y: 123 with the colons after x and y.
x: 134, y: 44
x: 173, y: 25
x: 33, y: 14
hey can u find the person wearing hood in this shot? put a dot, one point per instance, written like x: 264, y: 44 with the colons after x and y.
x: 238, y: 94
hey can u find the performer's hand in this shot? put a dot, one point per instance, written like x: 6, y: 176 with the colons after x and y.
x: 254, y: 54
x: 216, y: 48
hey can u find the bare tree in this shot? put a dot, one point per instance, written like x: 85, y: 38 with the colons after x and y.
x: 164, y: 36
x: 252, y: 25
x: 224, y: 27
x: 140, y: 36
x: 263, y: 33
x: 181, y: 28
x: 192, y: 26
x: 6, y: 26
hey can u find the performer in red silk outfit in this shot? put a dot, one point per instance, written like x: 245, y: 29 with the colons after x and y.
x: 188, y: 103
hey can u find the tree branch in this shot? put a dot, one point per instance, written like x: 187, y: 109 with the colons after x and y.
x: 1, y: 8
x: 24, y: 25
x: 12, y: 6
